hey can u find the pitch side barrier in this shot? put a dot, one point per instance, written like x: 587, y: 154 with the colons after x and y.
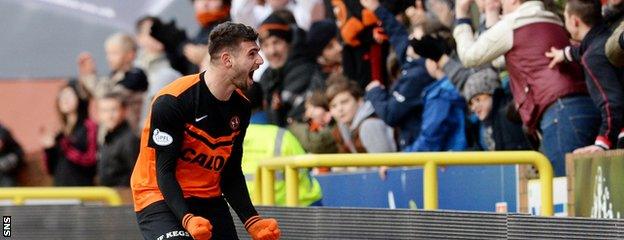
x: 19, y: 195
x: 73, y: 222
x: 264, y: 189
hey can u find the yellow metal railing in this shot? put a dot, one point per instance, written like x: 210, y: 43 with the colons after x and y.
x: 264, y: 186
x: 19, y: 194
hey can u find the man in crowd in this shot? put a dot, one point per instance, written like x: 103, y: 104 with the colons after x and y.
x: 288, y: 76
x: 327, y: 50
x: 124, y: 77
x: 186, y: 53
x: 585, y: 23
x: 550, y: 101
x: 153, y: 60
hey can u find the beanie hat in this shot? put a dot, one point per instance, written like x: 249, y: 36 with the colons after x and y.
x: 320, y: 34
x: 134, y: 80
x: 483, y: 81
x: 276, y: 26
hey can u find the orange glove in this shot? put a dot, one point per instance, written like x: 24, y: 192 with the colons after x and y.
x: 199, y: 227
x: 263, y: 229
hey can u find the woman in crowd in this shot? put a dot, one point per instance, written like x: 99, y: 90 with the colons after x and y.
x: 70, y: 154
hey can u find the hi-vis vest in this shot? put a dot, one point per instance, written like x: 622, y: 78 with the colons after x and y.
x: 257, y: 147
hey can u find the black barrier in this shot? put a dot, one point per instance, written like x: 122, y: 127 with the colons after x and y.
x: 97, y: 222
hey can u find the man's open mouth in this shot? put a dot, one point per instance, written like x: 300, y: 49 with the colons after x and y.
x: 250, y: 74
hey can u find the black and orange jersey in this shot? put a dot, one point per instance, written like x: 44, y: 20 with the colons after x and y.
x: 191, y: 146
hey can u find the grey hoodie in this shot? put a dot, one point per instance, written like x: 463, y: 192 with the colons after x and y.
x: 374, y: 134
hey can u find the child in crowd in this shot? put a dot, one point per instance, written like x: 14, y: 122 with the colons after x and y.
x: 315, y: 134
x: 491, y: 105
x: 359, y: 130
x: 118, y: 152
x: 443, y: 123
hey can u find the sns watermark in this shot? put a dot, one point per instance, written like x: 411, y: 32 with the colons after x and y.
x: 6, y: 226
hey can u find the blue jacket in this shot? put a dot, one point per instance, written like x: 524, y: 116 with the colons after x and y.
x: 443, y: 124
x: 401, y: 106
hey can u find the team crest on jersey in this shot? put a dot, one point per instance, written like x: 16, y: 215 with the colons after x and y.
x: 234, y: 123
x: 161, y: 138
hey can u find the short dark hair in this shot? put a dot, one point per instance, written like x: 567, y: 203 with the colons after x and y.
x: 318, y: 99
x: 339, y: 83
x: 589, y: 11
x: 118, y: 96
x: 229, y: 35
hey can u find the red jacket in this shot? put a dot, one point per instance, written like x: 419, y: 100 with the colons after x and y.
x: 533, y: 84
x: 523, y: 36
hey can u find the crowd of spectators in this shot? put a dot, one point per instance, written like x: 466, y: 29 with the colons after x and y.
x: 360, y: 76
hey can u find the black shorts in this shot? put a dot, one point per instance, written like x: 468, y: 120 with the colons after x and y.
x: 157, y: 222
